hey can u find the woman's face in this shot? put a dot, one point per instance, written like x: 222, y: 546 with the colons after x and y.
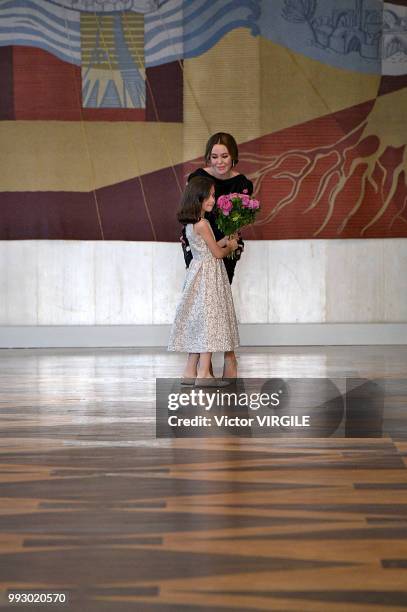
x: 209, y: 202
x: 220, y: 161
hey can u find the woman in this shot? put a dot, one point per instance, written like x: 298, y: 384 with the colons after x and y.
x: 221, y: 158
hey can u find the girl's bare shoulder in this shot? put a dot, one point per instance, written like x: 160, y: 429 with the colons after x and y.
x: 201, y: 226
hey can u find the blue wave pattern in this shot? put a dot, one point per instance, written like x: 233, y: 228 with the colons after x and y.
x: 41, y: 24
x: 111, y: 6
x: 187, y: 28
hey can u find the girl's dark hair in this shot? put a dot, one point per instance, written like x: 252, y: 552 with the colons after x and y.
x: 197, y: 190
x: 224, y: 139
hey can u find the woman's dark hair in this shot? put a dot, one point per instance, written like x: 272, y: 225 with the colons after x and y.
x: 224, y: 139
x: 197, y: 190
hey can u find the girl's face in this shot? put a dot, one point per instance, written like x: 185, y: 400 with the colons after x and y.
x: 220, y: 161
x: 209, y: 202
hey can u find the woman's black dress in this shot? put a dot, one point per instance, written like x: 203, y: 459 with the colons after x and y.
x: 235, y: 184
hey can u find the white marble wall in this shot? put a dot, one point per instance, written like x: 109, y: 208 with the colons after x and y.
x: 123, y: 283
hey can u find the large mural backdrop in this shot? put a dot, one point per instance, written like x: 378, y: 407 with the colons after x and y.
x: 105, y: 107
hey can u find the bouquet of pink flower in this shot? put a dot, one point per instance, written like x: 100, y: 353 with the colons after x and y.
x: 234, y: 211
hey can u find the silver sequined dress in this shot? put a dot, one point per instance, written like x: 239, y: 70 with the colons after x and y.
x: 205, y: 320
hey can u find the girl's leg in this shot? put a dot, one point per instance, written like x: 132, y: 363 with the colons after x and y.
x: 230, y: 365
x: 204, y: 366
x: 191, y: 365
x: 210, y: 367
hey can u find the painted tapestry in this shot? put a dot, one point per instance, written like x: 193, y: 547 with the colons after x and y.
x: 105, y: 107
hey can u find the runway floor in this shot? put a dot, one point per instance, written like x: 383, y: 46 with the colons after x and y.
x: 94, y: 506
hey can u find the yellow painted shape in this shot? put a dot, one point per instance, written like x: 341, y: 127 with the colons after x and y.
x: 296, y: 89
x: 70, y: 156
x: 221, y: 92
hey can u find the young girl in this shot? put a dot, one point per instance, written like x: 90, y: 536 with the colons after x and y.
x: 205, y: 320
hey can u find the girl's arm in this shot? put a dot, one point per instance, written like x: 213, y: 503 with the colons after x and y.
x: 223, y: 241
x: 204, y: 229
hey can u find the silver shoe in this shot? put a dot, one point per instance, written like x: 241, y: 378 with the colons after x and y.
x: 211, y: 382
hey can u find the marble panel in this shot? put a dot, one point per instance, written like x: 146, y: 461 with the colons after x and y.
x: 355, y: 281
x: 18, y: 282
x: 296, y: 287
x: 66, y: 282
x: 123, y: 283
x: 250, y: 283
x: 168, y: 274
x: 395, y: 280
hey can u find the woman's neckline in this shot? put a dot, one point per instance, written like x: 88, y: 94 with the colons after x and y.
x: 219, y: 179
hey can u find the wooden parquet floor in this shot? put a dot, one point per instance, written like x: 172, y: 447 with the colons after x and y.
x: 93, y: 505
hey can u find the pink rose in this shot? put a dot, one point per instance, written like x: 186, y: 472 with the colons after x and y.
x: 223, y: 201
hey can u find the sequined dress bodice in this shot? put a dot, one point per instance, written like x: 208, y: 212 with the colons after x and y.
x: 199, y: 248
